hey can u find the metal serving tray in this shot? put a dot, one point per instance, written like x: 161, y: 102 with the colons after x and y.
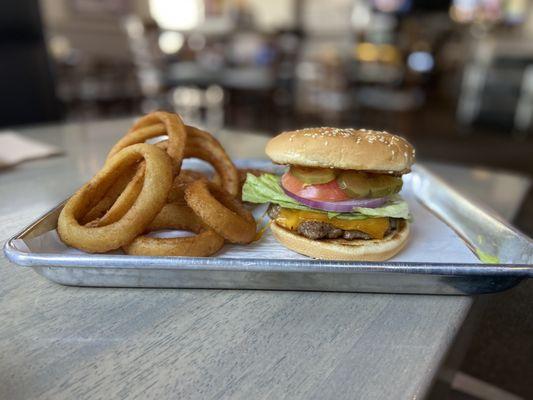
x: 266, y: 269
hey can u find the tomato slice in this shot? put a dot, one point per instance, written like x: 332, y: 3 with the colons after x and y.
x: 323, y: 192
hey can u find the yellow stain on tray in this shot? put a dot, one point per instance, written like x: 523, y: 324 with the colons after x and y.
x: 487, y: 258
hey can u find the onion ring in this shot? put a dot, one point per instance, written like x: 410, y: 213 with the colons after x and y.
x: 177, y: 191
x: 151, y: 199
x: 120, y: 198
x: 156, y: 124
x: 221, y: 211
x: 202, y: 145
x: 130, y: 193
x: 191, y: 175
x: 101, y: 208
x: 174, y: 216
x: 123, y: 202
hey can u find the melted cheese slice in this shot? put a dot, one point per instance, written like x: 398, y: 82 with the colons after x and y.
x: 375, y: 227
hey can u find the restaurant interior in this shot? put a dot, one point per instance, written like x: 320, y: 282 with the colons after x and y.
x: 455, y: 77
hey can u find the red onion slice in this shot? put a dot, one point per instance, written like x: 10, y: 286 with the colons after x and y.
x: 338, y: 206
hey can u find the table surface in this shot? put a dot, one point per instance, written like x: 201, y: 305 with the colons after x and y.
x: 65, y: 342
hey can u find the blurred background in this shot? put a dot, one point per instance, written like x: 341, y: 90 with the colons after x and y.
x: 453, y: 76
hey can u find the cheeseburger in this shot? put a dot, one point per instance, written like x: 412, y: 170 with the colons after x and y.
x: 339, y: 197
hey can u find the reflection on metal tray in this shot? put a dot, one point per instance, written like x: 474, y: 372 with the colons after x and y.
x: 480, y: 230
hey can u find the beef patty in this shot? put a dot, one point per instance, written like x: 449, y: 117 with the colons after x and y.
x: 322, y: 230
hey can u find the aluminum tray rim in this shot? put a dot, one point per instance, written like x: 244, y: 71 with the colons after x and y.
x: 120, y: 261
x: 254, y: 265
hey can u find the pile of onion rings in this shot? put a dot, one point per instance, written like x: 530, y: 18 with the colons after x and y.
x: 142, y: 188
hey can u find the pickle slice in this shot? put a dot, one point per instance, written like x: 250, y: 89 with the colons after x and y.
x: 385, y: 185
x: 358, y: 185
x: 313, y: 176
x: 354, y: 184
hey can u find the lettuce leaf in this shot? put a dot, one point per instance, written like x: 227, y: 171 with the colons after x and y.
x: 267, y: 189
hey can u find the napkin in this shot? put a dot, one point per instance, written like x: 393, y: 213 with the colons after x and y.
x: 15, y: 148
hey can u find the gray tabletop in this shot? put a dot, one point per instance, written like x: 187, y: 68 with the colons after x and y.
x: 63, y: 342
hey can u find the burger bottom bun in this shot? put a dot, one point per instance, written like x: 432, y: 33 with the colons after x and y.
x: 345, y: 250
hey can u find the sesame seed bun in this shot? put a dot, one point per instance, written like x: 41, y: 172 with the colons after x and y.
x: 345, y: 250
x: 353, y: 149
